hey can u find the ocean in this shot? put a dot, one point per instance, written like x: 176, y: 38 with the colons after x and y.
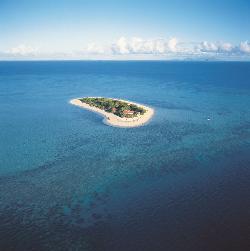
x: 70, y: 182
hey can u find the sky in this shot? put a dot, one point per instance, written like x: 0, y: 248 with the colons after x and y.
x: 125, y: 29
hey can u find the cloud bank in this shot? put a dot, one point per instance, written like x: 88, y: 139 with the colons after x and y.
x: 23, y: 50
x: 138, y: 45
x: 139, y: 48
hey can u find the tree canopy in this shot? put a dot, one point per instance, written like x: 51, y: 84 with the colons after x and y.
x: 117, y: 107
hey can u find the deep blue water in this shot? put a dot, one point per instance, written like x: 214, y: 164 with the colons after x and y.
x: 70, y: 182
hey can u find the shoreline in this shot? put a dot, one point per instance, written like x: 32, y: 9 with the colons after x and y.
x: 113, y: 120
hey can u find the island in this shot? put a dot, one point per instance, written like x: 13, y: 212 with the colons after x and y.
x: 116, y: 112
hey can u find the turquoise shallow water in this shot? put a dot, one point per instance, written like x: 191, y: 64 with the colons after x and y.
x: 70, y: 182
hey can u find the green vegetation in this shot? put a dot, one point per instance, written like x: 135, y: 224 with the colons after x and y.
x: 119, y: 108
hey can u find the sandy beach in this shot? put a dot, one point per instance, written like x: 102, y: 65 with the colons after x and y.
x: 113, y: 120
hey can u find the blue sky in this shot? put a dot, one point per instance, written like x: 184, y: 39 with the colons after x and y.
x: 124, y: 29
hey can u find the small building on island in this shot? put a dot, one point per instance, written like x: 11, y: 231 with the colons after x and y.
x: 128, y: 112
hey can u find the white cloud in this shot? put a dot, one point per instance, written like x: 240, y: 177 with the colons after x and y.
x: 226, y: 47
x: 245, y: 47
x: 138, y: 45
x: 23, y: 50
x: 207, y: 47
x: 122, y: 46
x: 216, y: 47
x: 94, y: 48
x: 172, y: 43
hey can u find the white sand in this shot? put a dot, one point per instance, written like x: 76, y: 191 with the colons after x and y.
x: 113, y: 120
